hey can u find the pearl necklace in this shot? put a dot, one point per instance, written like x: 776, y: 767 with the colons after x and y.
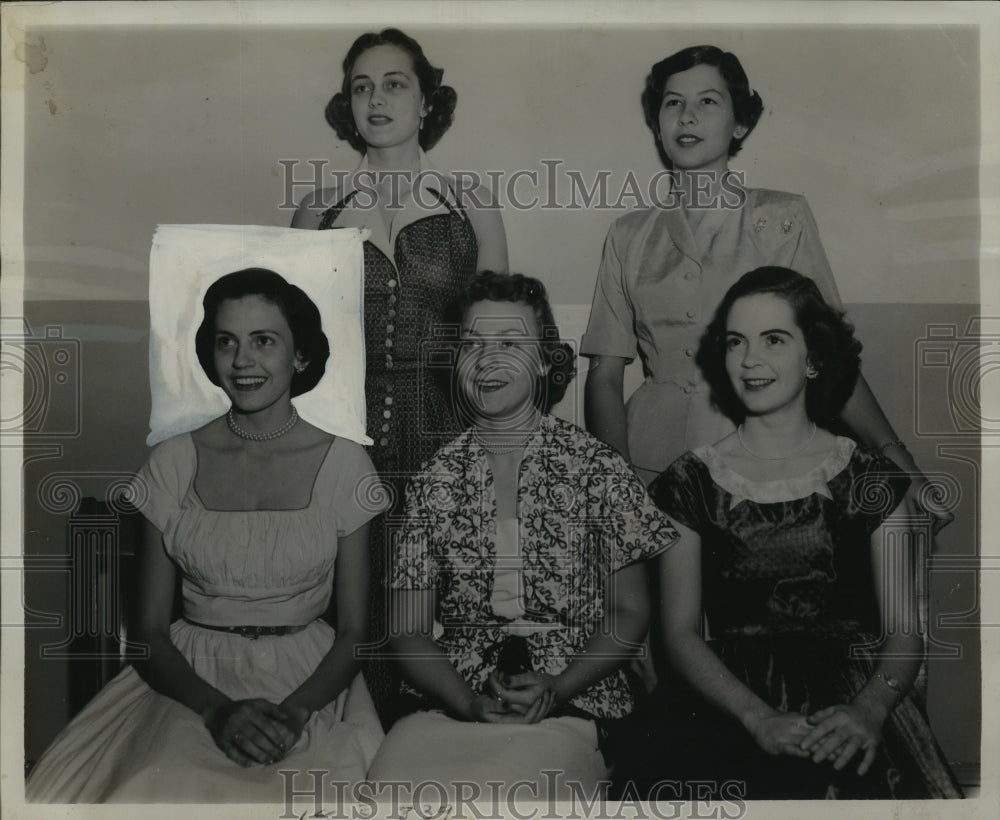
x: 795, y: 452
x: 499, y: 450
x: 277, y: 432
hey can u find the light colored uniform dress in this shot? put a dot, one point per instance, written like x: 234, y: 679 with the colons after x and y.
x: 260, y: 568
x: 657, y: 289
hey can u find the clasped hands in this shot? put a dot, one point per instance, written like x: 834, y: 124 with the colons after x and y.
x: 832, y: 735
x: 527, y: 697
x: 256, y: 731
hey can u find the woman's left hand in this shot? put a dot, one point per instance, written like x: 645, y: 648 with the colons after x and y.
x: 839, y: 732
x: 523, y: 690
x: 298, y: 717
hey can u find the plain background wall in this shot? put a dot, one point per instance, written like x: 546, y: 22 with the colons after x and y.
x: 129, y: 127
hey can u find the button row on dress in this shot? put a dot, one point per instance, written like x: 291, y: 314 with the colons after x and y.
x: 390, y: 328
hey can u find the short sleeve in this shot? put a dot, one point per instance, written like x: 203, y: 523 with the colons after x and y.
x: 877, y: 487
x: 611, y: 329
x: 159, y: 487
x: 358, y: 493
x: 642, y: 530
x: 810, y: 259
x: 412, y: 562
x: 678, y: 492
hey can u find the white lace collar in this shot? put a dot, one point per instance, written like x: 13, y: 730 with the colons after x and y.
x: 742, y: 488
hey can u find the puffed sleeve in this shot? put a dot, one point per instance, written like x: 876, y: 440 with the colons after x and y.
x: 159, y: 486
x: 877, y: 487
x: 678, y: 492
x: 810, y: 259
x: 642, y: 530
x: 412, y: 564
x: 611, y: 329
x: 358, y: 494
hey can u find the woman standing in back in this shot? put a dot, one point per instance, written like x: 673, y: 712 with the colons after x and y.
x: 426, y: 242
x: 666, y: 268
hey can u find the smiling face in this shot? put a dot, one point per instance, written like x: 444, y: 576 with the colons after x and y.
x: 696, y: 120
x: 766, y: 355
x: 254, y: 354
x: 500, y: 363
x: 385, y: 97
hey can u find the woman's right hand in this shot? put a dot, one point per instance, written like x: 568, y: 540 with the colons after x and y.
x: 250, y: 731
x: 780, y: 733
x: 490, y: 709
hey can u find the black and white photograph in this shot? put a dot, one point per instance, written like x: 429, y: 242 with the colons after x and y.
x: 482, y: 410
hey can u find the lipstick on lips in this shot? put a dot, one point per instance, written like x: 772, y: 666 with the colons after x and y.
x: 757, y: 384
x: 489, y: 385
x: 248, y: 382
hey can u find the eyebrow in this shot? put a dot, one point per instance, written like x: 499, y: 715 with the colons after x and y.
x: 471, y: 331
x: 387, y: 74
x: 224, y: 332
x: 782, y: 331
x: 704, y: 91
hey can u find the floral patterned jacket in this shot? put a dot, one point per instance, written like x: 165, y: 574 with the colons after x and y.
x: 582, y: 515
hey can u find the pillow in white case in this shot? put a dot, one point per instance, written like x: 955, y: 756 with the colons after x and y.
x: 186, y: 259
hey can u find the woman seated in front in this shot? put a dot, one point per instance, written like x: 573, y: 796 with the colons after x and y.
x: 795, y: 546
x: 519, y: 590
x: 263, y: 517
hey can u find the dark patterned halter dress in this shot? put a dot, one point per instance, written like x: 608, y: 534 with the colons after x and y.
x: 409, y: 410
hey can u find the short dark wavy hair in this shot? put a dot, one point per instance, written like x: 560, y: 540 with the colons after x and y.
x: 298, y: 309
x: 747, y: 104
x: 439, y: 99
x: 833, y: 350
x: 488, y: 286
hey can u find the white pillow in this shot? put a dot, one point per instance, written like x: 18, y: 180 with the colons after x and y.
x: 186, y: 259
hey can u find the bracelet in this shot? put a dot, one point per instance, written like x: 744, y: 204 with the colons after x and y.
x: 889, y: 681
x: 896, y: 443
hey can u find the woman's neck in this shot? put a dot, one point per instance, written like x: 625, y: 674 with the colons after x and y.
x: 776, y: 435
x: 395, y: 158
x: 698, y: 188
x: 520, y: 424
x: 506, y: 438
x: 267, y: 420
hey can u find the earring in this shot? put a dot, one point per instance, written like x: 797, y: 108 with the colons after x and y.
x: 421, y: 124
x: 811, y: 372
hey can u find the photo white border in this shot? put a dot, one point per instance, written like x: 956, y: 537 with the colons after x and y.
x: 18, y: 16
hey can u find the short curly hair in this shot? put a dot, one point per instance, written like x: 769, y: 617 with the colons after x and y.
x: 832, y: 349
x: 517, y: 288
x: 747, y: 104
x: 298, y: 309
x: 440, y: 99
